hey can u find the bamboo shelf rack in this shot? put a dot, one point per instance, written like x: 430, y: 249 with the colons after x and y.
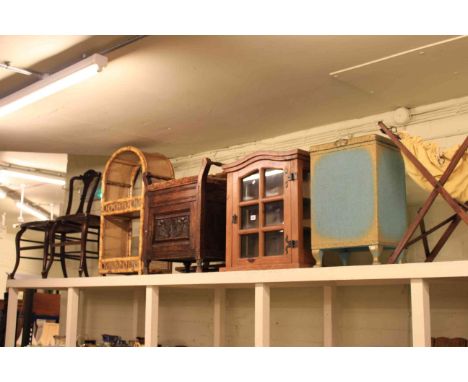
x: 417, y: 275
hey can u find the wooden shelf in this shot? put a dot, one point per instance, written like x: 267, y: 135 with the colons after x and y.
x: 418, y: 275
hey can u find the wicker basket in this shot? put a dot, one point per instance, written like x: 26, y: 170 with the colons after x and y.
x: 122, y: 206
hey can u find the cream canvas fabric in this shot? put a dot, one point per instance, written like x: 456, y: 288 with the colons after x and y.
x: 436, y: 161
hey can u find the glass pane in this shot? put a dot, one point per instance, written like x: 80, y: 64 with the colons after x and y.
x: 273, y: 182
x: 249, y: 245
x: 274, y: 243
x: 250, y: 187
x: 249, y: 217
x: 274, y: 213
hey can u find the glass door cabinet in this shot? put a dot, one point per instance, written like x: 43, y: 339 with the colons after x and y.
x: 268, y: 211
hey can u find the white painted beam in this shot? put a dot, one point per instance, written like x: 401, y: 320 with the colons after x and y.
x: 10, y: 335
x: 420, y: 313
x: 262, y: 315
x: 329, y: 315
x: 71, y: 325
x: 361, y: 274
x: 219, y: 316
x: 151, y: 316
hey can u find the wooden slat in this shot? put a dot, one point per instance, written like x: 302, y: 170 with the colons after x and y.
x: 420, y: 313
x: 262, y: 315
x: 11, y: 317
x: 71, y: 326
x: 329, y: 315
x: 219, y: 316
x: 151, y: 316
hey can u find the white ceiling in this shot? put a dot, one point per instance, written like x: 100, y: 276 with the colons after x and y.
x: 184, y: 94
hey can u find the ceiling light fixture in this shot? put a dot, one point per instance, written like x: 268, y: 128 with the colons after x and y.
x: 337, y: 73
x: 53, y: 83
x: 6, y: 65
x: 32, y: 211
x: 30, y: 175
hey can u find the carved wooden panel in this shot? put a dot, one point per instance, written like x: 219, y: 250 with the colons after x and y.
x: 171, y: 228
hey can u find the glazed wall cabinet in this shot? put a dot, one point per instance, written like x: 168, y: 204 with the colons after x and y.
x: 268, y: 211
x: 358, y: 197
x: 123, y: 205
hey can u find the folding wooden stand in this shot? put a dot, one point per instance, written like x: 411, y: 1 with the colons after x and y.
x: 459, y: 208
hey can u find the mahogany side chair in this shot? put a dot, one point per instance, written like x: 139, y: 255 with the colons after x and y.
x: 81, y: 221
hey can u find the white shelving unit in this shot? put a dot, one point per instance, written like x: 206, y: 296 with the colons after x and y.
x: 417, y: 275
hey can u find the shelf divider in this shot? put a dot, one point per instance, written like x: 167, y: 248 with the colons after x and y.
x: 219, y: 316
x: 329, y: 315
x: 151, y: 316
x: 262, y: 314
x: 420, y: 313
x: 71, y: 326
x: 11, y: 317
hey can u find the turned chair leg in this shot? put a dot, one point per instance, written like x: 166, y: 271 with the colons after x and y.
x: 51, y: 254
x: 318, y: 256
x: 187, y: 265
x: 63, y: 239
x: 45, y: 254
x: 84, y: 238
x: 206, y: 265
x: 376, y: 251
x: 18, y: 252
x: 344, y: 258
x: 146, y: 266
x: 199, y: 266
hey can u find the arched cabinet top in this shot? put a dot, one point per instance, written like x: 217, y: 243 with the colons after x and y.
x: 278, y: 156
x: 125, y: 165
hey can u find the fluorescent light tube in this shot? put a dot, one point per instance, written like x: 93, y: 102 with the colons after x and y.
x: 32, y: 176
x: 32, y: 211
x: 53, y: 83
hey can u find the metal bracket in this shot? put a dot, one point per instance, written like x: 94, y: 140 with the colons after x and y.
x: 292, y: 176
x: 291, y: 244
x: 6, y: 65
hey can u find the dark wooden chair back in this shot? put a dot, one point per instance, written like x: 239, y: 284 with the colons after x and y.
x: 90, y: 180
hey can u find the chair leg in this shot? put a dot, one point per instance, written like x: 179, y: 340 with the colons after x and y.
x: 45, y: 254
x: 199, y: 268
x: 318, y: 256
x: 187, y: 265
x: 146, y: 265
x: 376, y: 251
x: 18, y: 252
x: 84, y: 238
x: 51, y: 254
x: 63, y: 239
